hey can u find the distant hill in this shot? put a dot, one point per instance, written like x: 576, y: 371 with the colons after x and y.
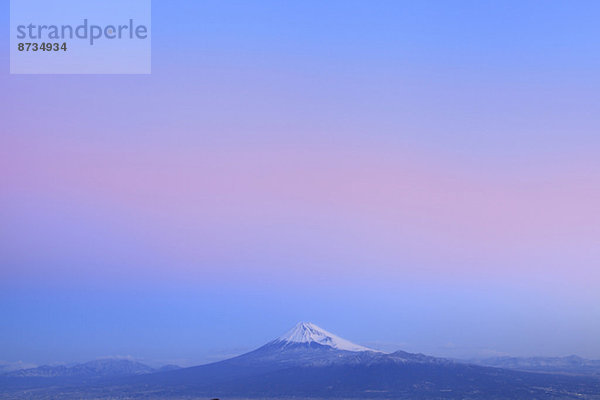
x: 109, y: 367
x: 168, y: 367
x: 567, y: 365
x: 101, y: 368
x: 14, y: 366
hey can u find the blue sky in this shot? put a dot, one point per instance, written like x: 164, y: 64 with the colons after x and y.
x: 422, y: 175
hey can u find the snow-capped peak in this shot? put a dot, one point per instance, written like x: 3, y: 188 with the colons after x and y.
x: 307, y: 332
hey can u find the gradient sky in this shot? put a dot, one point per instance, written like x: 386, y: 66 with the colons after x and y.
x: 408, y: 175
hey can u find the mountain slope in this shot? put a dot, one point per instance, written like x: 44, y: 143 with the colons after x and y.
x: 304, y: 346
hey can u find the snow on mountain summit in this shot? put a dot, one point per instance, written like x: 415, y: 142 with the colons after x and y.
x: 307, y: 332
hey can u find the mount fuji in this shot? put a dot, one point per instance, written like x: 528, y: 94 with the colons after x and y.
x: 310, y: 362
x: 306, y: 332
